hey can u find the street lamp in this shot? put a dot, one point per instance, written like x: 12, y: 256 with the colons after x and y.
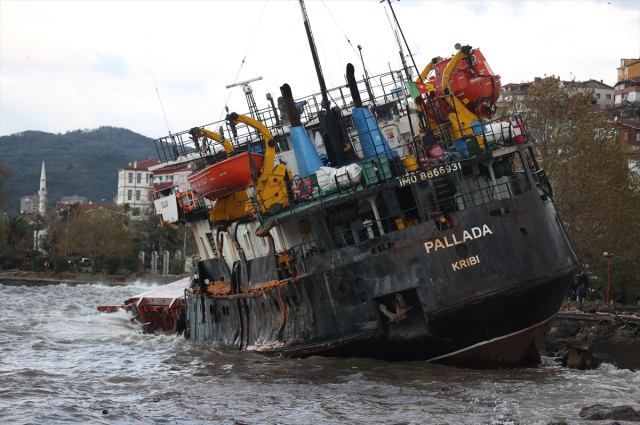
x: 608, y: 256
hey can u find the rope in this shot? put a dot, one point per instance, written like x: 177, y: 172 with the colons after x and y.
x: 157, y: 92
x: 345, y: 35
x: 245, y: 57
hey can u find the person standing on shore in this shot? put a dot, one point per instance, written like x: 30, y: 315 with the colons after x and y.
x: 582, y: 295
x: 46, y: 266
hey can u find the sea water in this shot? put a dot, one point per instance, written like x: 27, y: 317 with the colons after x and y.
x: 61, y: 361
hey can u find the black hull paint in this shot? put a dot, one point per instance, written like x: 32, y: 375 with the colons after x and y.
x: 333, y: 306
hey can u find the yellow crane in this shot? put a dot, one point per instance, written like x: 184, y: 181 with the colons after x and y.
x: 269, y: 187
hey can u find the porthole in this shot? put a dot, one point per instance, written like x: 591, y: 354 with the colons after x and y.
x: 523, y: 233
x: 343, y: 287
x: 359, y: 284
x: 462, y: 250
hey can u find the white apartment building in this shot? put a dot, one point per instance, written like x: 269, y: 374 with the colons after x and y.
x: 29, y: 204
x: 135, y: 184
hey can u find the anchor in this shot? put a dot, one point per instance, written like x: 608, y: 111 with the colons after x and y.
x: 400, y: 305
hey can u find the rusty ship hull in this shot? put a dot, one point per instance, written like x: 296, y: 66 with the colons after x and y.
x: 492, y: 313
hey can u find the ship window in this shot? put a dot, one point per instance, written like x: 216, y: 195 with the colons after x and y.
x: 499, y: 211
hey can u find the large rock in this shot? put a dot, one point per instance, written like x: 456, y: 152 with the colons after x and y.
x: 598, y: 412
x: 568, y: 329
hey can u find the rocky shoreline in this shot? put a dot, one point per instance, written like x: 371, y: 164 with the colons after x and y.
x: 585, y: 341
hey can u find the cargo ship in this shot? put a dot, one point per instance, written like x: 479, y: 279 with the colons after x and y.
x: 395, y: 224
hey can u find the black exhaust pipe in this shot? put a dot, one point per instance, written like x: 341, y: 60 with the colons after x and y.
x: 290, y: 106
x: 353, y: 86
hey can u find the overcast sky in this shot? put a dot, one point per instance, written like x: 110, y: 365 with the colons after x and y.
x: 72, y: 65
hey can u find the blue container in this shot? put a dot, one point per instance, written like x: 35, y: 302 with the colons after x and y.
x: 478, y: 128
x: 461, y: 146
x: 306, y: 155
x: 372, y: 142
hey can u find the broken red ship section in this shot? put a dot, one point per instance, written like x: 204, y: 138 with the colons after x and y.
x: 160, y: 310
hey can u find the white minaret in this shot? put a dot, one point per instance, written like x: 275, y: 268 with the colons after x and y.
x: 43, y: 191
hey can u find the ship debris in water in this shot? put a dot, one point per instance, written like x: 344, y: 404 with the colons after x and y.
x: 402, y: 221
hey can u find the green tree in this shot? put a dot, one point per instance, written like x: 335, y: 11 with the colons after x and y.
x: 5, y: 195
x: 15, y: 227
x: 101, y: 233
x: 596, y: 196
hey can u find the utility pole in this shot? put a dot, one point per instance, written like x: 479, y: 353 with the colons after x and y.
x: 608, y: 256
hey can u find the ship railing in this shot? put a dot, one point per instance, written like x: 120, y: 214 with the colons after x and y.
x: 384, y: 98
x: 384, y: 167
x: 308, y: 249
x: 438, y: 211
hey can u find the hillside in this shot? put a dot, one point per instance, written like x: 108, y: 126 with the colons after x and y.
x: 81, y: 162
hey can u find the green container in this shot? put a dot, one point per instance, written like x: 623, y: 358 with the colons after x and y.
x: 384, y: 170
x: 474, y: 148
x: 369, y: 172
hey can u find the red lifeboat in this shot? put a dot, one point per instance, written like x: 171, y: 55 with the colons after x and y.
x: 476, y: 86
x: 225, y: 177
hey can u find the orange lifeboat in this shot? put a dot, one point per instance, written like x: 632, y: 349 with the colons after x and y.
x: 473, y: 82
x: 225, y: 177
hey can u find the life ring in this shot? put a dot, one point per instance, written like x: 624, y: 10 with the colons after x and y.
x: 187, y: 201
x: 301, y: 189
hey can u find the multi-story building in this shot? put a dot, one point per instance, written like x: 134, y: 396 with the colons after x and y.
x: 629, y: 68
x: 135, y: 184
x: 627, y: 90
x: 75, y: 199
x: 180, y: 177
x: 602, y: 93
x: 175, y: 175
x: 514, y: 91
x: 29, y: 204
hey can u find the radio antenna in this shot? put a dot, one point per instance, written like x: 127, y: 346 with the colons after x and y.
x: 395, y: 18
x: 157, y: 92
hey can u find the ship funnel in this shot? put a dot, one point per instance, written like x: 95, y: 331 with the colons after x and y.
x: 353, y: 87
x: 306, y: 155
x: 372, y: 142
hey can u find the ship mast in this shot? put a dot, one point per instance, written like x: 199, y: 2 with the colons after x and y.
x: 316, y: 61
x: 395, y: 18
x: 332, y: 127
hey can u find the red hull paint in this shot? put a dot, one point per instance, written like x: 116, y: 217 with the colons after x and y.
x: 517, y: 349
x: 157, y: 309
x: 225, y: 177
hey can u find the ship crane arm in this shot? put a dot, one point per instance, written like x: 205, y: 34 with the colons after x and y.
x: 466, y: 116
x: 270, y: 144
x: 201, y: 132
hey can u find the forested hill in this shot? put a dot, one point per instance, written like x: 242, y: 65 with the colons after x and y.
x: 81, y: 162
